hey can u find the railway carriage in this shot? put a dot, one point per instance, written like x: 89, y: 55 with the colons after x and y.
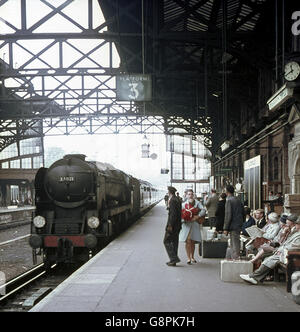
x: 81, y: 205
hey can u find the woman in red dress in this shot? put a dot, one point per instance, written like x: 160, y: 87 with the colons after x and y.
x: 192, y: 214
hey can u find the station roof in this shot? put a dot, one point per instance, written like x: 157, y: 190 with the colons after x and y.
x: 205, y: 58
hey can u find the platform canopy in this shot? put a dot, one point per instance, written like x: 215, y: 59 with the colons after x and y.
x: 202, y: 59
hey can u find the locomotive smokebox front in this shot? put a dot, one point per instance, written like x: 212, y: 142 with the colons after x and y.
x: 70, y: 179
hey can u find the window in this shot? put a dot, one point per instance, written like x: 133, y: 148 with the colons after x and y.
x: 189, y: 168
x: 179, y: 144
x: 9, y: 152
x: 203, y: 169
x: 177, y: 166
x: 26, y: 163
x: 14, y: 194
x: 201, y: 188
x: 30, y: 146
x: 37, y: 162
x: 15, y: 163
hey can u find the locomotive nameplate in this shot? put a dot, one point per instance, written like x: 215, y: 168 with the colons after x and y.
x: 66, y: 179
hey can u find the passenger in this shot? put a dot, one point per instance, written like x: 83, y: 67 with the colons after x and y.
x: 178, y: 196
x: 220, y: 213
x: 184, y: 198
x: 272, y: 227
x: 192, y: 211
x: 259, y: 216
x: 269, y: 248
x: 286, y: 225
x: 249, y: 220
x: 270, y: 230
x: 279, y: 198
x: 211, y: 204
x: 166, y: 198
x: 173, y: 227
x: 271, y: 196
x: 292, y: 242
x: 233, y: 221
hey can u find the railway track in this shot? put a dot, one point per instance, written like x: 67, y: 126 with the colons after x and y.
x: 26, y: 290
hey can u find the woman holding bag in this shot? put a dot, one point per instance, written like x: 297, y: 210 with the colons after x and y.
x: 192, y: 215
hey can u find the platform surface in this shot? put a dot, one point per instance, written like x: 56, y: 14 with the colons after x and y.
x: 131, y: 275
x: 14, y: 208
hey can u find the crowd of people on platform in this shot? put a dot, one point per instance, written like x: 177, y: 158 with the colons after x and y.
x: 227, y: 215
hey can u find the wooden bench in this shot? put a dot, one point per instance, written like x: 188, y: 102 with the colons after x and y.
x: 293, y: 264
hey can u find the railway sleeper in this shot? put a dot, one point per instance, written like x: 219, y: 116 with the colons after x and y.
x: 36, y: 297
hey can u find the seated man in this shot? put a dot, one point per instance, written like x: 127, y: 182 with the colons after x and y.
x: 292, y: 242
x: 270, y: 247
x: 259, y: 216
x: 249, y: 221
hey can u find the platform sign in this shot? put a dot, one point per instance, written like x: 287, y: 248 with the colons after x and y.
x: 281, y: 96
x: 136, y: 87
x: 252, y: 176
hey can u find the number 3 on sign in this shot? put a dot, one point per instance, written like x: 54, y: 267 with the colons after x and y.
x: 133, y: 90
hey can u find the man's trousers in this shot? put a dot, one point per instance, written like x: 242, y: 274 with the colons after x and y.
x: 171, y: 244
x: 235, y: 244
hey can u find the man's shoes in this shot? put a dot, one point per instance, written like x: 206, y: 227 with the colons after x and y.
x: 247, y: 278
x: 171, y: 263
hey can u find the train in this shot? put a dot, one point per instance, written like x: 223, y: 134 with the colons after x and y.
x: 81, y: 205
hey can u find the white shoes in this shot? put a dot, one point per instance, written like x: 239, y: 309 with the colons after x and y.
x: 247, y: 278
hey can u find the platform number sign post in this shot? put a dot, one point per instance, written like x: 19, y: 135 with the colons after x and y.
x: 134, y: 87
x: 252, y: 180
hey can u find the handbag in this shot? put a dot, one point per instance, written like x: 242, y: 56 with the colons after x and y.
x: 189, y: 212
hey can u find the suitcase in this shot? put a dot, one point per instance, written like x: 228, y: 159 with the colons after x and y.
x: 231, y: 270
x: 214, y: 249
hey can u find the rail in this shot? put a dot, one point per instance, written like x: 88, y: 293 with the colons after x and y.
x: 18, y: 283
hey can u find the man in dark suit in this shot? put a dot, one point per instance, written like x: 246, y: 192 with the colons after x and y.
x: 220, y: 213
x: 173, y: 227
x: 233, y: 221
x: 260, y: 220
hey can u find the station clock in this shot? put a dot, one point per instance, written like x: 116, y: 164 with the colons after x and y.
x: 291, y: 71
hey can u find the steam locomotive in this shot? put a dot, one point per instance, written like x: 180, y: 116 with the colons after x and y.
x: 81, y: 205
